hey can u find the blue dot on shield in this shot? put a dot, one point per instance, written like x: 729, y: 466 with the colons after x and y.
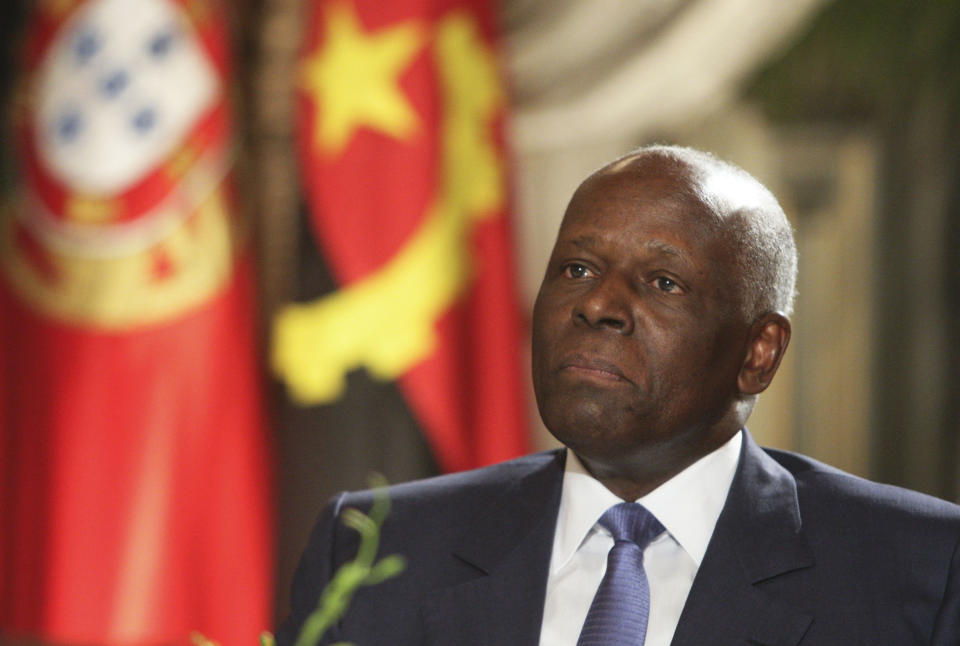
x: 144, y: 120
x: 69, y: 126
x: 161, y: 43
x: 114, y: 83
x: 86, y: 45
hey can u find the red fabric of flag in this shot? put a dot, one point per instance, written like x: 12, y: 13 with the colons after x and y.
x: 400, y: 116
x: 134, y: 471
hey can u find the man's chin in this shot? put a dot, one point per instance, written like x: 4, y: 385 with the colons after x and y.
x: 593, y: 437
x: 595, y: 405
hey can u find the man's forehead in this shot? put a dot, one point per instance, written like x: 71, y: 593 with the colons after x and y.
x: 721, y: 188
x: 589, y: 242
x: 635, y: 186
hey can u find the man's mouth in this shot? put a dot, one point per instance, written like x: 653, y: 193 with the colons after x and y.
x: 592, y: 367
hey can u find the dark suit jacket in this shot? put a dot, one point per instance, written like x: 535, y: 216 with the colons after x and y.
x: 801, y: 554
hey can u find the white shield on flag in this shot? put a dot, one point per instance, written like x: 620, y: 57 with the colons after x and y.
x: 124, y: 216
x: 119, y: 88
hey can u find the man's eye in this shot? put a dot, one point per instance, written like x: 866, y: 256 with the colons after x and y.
x: 666, y: 284
x: 575, y: 270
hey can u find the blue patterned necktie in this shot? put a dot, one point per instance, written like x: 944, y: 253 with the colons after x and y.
x: 618, y: 614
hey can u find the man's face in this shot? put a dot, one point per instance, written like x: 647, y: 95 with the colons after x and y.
x: 637, y: 334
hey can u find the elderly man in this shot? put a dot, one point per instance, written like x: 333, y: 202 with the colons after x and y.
x: 662, y: 315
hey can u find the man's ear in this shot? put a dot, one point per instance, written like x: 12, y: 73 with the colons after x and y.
x: 769, y: 337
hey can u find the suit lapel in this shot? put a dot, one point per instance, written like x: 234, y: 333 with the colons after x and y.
x: 758, y: 536
x: 509, y: 547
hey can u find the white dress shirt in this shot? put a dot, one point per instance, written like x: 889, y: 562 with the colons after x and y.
x: 687, y: 505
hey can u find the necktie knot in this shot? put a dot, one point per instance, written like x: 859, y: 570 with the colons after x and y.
x: 630, y: 521
x: 620, y: 609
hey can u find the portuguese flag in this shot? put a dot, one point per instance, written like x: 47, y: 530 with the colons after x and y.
x: 400, y: 131
x: 134, y: 497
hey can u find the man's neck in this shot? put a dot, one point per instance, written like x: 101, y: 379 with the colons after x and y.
x: 639, y: 477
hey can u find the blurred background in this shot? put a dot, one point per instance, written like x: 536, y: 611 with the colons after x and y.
x: 253, y: 251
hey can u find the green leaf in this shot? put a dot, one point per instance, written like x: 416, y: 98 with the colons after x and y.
x: 387, y: 568
x: 361, y: 571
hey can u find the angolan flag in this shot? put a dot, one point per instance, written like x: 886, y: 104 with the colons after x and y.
x: 400, y: 114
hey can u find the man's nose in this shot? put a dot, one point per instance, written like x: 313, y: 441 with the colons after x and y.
x: 607, y: 305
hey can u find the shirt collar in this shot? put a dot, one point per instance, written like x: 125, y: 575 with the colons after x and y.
x: 687, y: 505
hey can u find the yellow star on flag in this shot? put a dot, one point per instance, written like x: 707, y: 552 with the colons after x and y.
x: 354, y: 78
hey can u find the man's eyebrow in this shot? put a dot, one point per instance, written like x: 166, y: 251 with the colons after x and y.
x: 584, y: 241
x: 664, y: 247
x: 588, y: 242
